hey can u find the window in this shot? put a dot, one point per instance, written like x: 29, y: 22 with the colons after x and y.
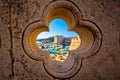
x: 58, y: 41
x: 85, y: 42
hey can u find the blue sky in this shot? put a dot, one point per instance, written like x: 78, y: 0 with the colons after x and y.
x: 58, y: 27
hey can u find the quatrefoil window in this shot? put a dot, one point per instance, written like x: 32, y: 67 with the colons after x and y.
x: 90, y: 38
x: 58, y: 41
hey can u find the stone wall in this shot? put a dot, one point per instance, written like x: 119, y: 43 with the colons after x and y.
x: 15, y: 15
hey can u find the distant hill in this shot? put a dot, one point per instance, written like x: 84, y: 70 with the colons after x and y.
x: 46, y: 40
x: 61, y: 39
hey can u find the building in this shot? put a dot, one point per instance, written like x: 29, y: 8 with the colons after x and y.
x: 18, y: 18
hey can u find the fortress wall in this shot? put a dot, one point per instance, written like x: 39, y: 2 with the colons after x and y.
x: 15, y: 15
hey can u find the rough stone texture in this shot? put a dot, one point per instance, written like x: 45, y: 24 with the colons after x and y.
x: 5, y: 42
x: 105, y: 64
x: 25, y: 68
x: 15, y: 64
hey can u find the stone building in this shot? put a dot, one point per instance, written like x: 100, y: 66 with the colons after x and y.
x: 75, y: 43
x: 96, y: 21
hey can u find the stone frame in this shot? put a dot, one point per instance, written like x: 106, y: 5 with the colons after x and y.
x: 86, y: 29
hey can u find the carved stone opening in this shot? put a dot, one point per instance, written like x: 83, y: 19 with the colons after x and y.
x: 88, y: 31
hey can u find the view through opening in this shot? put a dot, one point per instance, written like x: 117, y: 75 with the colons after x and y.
x: 58, y: 41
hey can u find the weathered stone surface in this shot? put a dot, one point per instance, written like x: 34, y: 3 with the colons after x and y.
x: 105, y: 64
x: 15, y: 64
x: 5, y: 42
x: 25, y: 68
